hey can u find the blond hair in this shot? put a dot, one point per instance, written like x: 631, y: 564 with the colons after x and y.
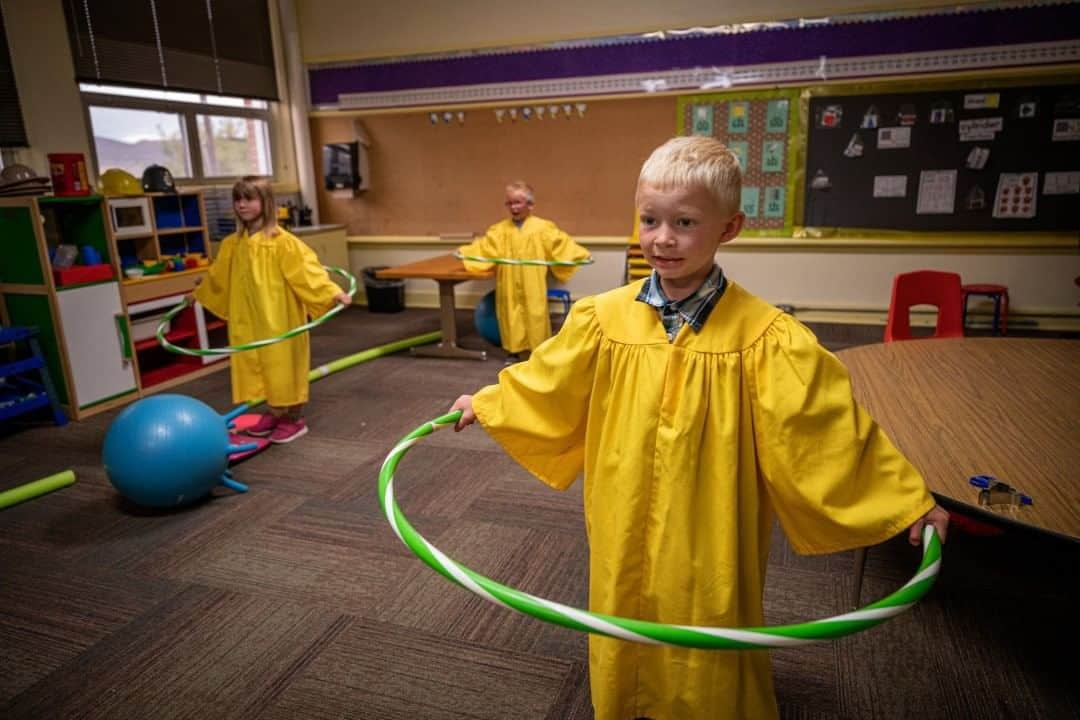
x: 696, y: 162
x: 523, y: 187
x: 251, y: 187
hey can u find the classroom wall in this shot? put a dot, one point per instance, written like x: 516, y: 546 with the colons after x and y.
x: 444, y: 179
x: 44, y: 75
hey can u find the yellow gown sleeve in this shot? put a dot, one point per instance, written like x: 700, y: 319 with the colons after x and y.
x: 563, y: 247
x: 306, y: 276
x: 486, y: 246
x: 538, y: 409
x: 834, y: 478
x: 213, y: 291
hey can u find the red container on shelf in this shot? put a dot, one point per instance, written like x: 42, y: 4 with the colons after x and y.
x: 77, y: 274
x: 68, y: 171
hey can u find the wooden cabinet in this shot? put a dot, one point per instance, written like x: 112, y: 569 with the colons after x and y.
x: 328, y: 242
x: 96, y: 325
x: 79, y: 311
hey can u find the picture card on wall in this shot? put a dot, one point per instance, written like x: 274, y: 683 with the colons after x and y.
x: 1015, y: 196
x: 980, y: 128
x: 893, y: 138
x: 703, y: 120
x: 738, y: 117
x: 776, y: 116
x: 937, y: 192
x: 750, y: 198
x: 886, y: 186
x: 774, y: 202
x: 741, y: 148
x: 1061, y: 183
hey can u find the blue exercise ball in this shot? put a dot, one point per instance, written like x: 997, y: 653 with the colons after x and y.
x: 168, y: 450
x: 485, y: 319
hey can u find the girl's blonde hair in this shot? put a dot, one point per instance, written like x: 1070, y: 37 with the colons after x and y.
x: 696, y: 161
x: 251, y: 187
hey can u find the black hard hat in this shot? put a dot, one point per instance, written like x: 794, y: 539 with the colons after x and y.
x: 157, y: 178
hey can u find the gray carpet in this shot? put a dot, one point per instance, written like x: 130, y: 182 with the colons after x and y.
x: 296, y: 600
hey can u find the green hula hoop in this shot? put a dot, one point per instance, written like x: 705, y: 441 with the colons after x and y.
x: 229, y: 350
x: 707, y: 638
x: 512, y: 261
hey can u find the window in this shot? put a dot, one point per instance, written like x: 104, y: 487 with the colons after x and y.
x: 202, y: 138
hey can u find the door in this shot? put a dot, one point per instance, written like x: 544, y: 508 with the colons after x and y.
x: 95, y: 335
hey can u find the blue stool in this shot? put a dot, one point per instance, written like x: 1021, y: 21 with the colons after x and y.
x: 18, y: 393
x: 560, y: 295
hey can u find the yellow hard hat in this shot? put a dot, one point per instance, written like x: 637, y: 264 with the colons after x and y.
x: 115, y: 181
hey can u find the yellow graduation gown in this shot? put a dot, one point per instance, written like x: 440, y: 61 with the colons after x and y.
x: 521, y: 290
x: 689, y: 450
x: 264, y: 286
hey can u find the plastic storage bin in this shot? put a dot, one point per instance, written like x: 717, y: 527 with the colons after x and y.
x: 383, y: 296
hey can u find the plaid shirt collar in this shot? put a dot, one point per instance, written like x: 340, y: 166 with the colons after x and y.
x: 693, y: 310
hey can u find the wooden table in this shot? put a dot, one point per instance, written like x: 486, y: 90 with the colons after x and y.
x: 960, y: 407
x: 447, y: 271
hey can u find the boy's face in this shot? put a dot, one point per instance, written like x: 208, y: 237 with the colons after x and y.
x: 517, y: 202
x: 681, y: 228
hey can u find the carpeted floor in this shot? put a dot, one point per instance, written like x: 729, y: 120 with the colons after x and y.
x: 296, y: 600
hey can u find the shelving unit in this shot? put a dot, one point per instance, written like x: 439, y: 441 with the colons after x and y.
x: 86, y: 328
x: 160, y: 369
x: 178, y: 229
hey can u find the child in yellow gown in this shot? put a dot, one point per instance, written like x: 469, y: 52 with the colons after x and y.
x: 265, y: 281
x: 521, y: 304
x: 698, y: 414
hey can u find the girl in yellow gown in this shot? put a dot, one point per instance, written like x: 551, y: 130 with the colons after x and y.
x: 698, y: 414
x: 521, y: 304
x: 265, y: 281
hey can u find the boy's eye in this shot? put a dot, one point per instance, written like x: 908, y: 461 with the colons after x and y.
x: 647, y: 220
x: 685, y: 222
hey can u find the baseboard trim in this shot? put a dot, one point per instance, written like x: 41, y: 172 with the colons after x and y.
x: 1028, y: 319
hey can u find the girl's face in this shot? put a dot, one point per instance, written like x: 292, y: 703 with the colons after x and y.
x: 681, y: 229
x: 249, y: 210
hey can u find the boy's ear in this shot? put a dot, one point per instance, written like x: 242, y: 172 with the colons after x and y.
x: 733, y: 228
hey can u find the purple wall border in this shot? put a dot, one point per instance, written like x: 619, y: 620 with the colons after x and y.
x: 965, y: 29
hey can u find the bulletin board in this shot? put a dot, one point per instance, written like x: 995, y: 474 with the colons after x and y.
x: 448, y: 178
x: 762, y: 129
x: 986, y: 158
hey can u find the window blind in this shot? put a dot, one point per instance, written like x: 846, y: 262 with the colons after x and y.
x: 216, y: 47
x: 12, y: 130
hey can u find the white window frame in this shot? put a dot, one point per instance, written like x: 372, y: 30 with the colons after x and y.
x: 189, y: 127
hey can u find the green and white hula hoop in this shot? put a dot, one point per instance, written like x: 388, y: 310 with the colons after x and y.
x: 512, y: 261
x: 708, y: 638
x: 229, y: 350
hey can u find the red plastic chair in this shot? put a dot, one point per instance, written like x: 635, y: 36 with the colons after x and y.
x: 925, y: 287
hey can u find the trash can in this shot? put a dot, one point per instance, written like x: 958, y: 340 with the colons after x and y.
x: 383, y: 296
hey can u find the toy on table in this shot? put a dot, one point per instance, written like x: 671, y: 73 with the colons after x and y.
x: 994, y: 492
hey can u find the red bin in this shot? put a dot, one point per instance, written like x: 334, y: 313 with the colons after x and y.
x: 68, y: 172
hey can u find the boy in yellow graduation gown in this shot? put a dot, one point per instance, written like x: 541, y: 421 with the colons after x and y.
x: 264, y: 282
x: 698, y: 413
x: 521, y: 290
